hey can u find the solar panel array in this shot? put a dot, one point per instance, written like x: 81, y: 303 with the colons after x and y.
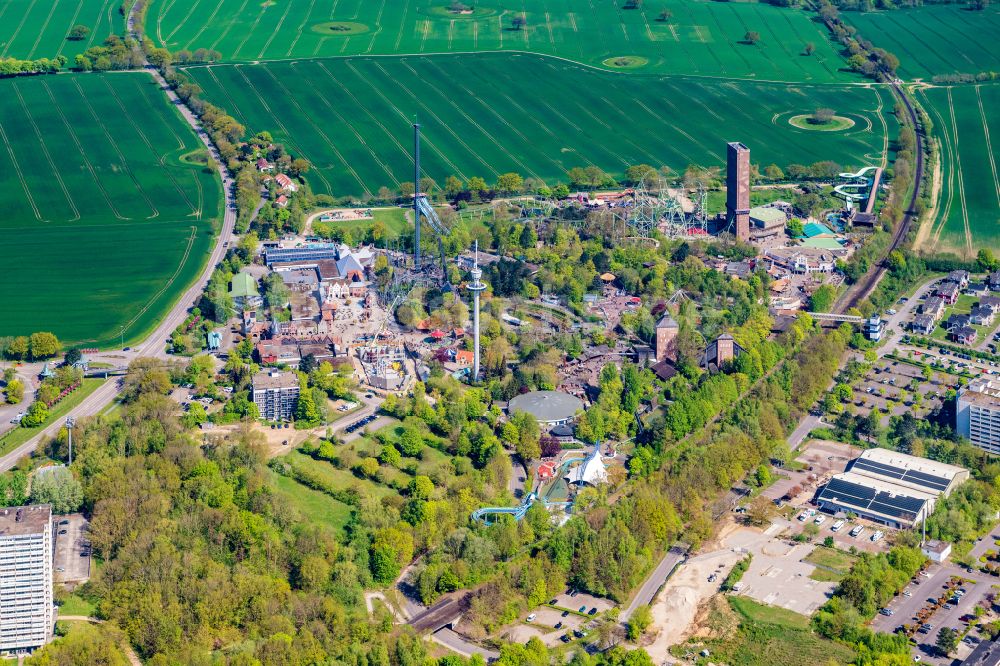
x: 863, y: 498
x: 934, y: 484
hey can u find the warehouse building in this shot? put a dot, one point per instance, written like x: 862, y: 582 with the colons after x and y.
x: 26, y: 610
x: 977, y: 414
x: 890, y: 488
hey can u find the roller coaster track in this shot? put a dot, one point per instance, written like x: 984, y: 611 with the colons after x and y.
x: 864, y: 287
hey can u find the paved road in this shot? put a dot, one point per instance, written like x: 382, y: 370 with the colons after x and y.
x: 154, y: 344
x: 660, y: 574
x: 456, y: 643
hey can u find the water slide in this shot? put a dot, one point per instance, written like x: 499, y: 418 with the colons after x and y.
x: 484, y: 514
x: 859, y: 183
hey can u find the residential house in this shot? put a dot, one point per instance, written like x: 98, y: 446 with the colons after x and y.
x: 964, y: 335
x: 923, y: 324
x: 464, y: 358
x: 981, y: 316
x: 960, y: 277
x: 948, y: 291
x: 243, y: 291
x: 977, y: 289
x: 993, y: 280
x: 991, y: 302
x: 281, y: 201
x: 958, y: 321
x: 285, y: 183
x: 264, y: 166
x: 933, y: 306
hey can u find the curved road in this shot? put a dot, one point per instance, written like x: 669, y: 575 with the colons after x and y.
x: 864, y: 287
x: 155, y: 343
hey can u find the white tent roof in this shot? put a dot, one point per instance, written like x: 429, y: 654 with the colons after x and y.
x: 591, y: 470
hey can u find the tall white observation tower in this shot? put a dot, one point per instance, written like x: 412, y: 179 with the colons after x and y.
x: 476, y: 286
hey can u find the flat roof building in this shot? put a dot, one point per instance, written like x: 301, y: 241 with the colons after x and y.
x: 549, y: 408
x: 977, y: 414
x: 26, y: 611
x: 891, y: 488
x: 276, y: 394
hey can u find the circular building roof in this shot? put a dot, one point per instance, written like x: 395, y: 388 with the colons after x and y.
x: 546, y: 406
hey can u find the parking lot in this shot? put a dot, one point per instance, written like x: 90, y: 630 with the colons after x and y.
x: 902, y: 384
x: 72, y: 549
x: 564, y: 618
x: 922, y: 592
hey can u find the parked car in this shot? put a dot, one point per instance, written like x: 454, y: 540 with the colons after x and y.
x: 530, y: 618
x: 583, y: 609
x: 592, y: 611
x: 565, y: 613
x: 558, y: 625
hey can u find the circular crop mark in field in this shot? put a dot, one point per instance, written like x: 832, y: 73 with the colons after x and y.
x: 834, y: 124
x: 457, y: 10
x: 625, y: 62
x: 340, y: 28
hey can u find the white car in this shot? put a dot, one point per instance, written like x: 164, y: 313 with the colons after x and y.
x: 820, y: 520
x: 530, y: 618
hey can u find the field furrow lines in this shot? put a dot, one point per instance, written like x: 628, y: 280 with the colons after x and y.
x: 20, y: 174
x: 20, y: 26
x: 72, y: 22
x: 210, y: 21
x: 114, y: 144
x: 989, y: 145
x: 187, y: 17
x: 48, y: 155
x: 276, y: 30
x: 418, y: 102
x: 489, y: 135
x: 229, y: 26
x: 251, y: 31
x: 156, y: 155
x: 180, y: 265
x: 301, y: 28
x: 958, y: 171
x: 292, y: 143
x: 41, y: 31
x: 308, y: 117
x: 83, y: 154
x: 407, y: 119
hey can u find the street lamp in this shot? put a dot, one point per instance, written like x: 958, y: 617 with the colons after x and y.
x: 70, y: 422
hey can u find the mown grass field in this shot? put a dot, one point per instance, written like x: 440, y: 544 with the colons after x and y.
x: 315, y: 506
x: 966, y: 122
x: 934, y: 39
x: 102, y: 225
x: 487, y: 114
x: 702, y: 37
x: 37, y: 28
x: 832, y: 564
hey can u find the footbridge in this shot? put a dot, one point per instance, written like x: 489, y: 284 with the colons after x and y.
x: 831, y: 316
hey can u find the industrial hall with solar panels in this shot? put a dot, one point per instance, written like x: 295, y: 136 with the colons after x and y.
x: 890, y: 488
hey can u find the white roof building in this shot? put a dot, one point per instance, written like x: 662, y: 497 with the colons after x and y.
x: 591, y: 470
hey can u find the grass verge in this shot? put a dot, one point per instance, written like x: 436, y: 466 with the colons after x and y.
x: 20, y: 434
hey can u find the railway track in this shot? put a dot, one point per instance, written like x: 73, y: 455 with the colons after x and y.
x: 864, y: 287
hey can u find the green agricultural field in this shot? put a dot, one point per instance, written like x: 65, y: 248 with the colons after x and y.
x: 103, y: 226
x: 966, y: 121
x: 484, y: 115
x: 701, y: 37
x: 934, y: 39
x: 37, y: 29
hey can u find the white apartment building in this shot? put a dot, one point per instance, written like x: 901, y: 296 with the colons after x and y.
x: 26, y: 611
x: 276, y: 394
x: 977, y: 414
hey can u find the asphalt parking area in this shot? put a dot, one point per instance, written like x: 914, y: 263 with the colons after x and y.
x: 72, y: 549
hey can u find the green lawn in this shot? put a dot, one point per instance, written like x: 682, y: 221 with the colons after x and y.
x: 482, y: 115
x: 30, y: 29
x: 963, y: 305
x: 966, y: 119
x: 832, y: 564
x: 315, y: 506
x: 702, y: 37
x: 767, y: 635
x: 20, y: 435
x: 103, y: 226
x: 338, y: 478
x: 934, y: 39
x: 73, y: 604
